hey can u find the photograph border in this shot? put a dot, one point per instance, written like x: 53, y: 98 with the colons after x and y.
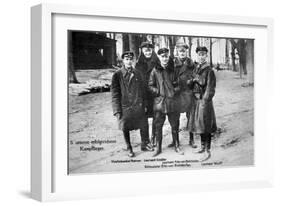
x: 43, y: 88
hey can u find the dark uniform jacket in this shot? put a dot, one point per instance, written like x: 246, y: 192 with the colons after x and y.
x: 163, y: 84
x: 128, y: 98
x: 202, y: 117
x: 145, y: 66
x: 185, y: 73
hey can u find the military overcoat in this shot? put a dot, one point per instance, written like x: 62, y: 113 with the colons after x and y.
x: 145, y: 66
x: 202, y: 116
x: 185, y: 72
x: 128, y: 98
x: 163, y: 84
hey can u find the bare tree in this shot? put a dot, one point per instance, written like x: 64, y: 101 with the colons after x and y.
x: 245, y: 49
x: 132, y: 45
x: 211, y: 52
x: 172, y: 42
x: 249, y: 48
x: 189, y: 45
x: 233, y: 58
x: 125, y: 41
x: 153, y: 39
x: 72, y: 74
x: 242, y: 56
x: 238, y: 46
x: 226, y: 53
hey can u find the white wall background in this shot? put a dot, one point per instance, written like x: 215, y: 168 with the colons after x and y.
x: 15, y: 102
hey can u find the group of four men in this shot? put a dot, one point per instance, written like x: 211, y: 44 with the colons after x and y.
x: 159, y: 86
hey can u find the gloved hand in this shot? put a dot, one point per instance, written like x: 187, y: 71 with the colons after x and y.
x: 118, y: 115
x: 189, y: 82
x: 175, y: 84
x: 196, y: 78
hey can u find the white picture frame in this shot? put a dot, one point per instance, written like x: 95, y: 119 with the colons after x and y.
x: 49, y: 179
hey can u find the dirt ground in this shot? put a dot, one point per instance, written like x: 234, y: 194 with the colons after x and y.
x: 97, y: 146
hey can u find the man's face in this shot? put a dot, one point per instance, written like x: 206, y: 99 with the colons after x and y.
x: 202, y: 56
x: 164, y: 58
x: 182, y: 52
x: 147, y: 52
x: 128, y: 62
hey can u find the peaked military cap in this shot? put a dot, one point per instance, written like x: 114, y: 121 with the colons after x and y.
x: 162, y: 51
x: 129, y: 54
x: 201, y: 48
x: 182, y: 45
x: 147, y: 44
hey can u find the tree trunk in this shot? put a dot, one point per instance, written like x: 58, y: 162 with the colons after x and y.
x: 241, y: 61
x: 211, y: 52
x: 249, y: 49
x: 242, y: 57
x: 190, y: 46
x: 233, y: 58
x: 153, y: 39
x: 226, y: 53
x: 171, y: 45
x: 240, y: 46
x: 125, y: 41
x: 198, y: 42
x: 71, y: 72
x: 132, y: 43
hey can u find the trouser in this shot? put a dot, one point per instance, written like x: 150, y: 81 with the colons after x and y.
x: 126, y: 134
x: 206, y: 141
x: 174, y: 120
x: 191, y: 136
x: 144, y: 133
x: 153, y: 135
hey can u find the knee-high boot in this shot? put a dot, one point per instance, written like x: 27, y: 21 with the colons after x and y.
x: 153, y: 134
x: 176, y: 141
x: 208, y: 141
x: 159, y: 137
x: 203, y: 143
x: 144, y: 133
x: 191, y: 140
x: 126, y: 135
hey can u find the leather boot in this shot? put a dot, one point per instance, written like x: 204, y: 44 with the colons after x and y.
x: 130, y: 152
x: 208, y: 141
x: 129, y: 148
x: 206, y: 155
x: 153, y: 136
x: 175, y: 135
x: 153, y: 141
x: 172, y: 144
x: 203, y: 144
x: 158, y: 149
x: 144, y: 133
x: 191, y: 140
x: 146, y: 147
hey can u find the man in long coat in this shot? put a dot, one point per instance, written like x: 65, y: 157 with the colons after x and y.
x: 146, y: 62
x: 128, y: 102
x: 184, y: 66
x: 202, y: 118
x: 163, y: 84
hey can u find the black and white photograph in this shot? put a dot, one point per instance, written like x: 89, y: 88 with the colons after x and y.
x: 153, y: 102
